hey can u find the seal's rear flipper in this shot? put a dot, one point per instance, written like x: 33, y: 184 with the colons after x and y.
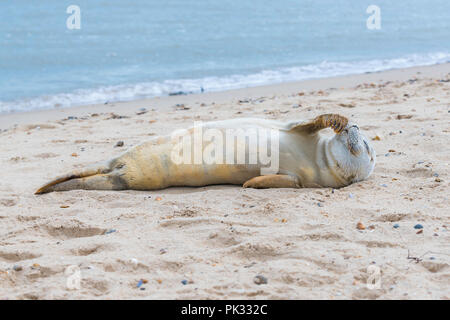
x: 95, y: 178
x: 330, y: 120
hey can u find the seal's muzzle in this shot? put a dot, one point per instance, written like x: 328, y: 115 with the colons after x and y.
x: 354, y: 141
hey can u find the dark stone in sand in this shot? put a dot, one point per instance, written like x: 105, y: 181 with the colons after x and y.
x: 259, y: 279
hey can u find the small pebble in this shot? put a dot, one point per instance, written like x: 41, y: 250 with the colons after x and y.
x: 17, y: 268
x: 162, y: 251
x: 396, y: 225
x: 141, y: 111
x: 418, y: 226
x: 432, y: 258
x: 184, y: 282
x: 360, y: 226
x: 119, y: 144
x: 259, y: 279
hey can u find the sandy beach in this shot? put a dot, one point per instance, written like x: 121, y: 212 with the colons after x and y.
x: 211, y: 242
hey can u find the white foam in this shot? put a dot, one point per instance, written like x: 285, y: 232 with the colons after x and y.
x: 153, y: 89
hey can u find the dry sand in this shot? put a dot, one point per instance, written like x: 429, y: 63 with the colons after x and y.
x: 304, y: 241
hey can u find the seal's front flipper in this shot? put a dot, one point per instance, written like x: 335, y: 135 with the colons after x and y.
x: 273, y: 181
x: 330, y: 120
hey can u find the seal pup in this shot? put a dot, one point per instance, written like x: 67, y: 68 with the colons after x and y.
x: 306, y: 157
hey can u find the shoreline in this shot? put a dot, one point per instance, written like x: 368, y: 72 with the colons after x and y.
x: 162, y: 103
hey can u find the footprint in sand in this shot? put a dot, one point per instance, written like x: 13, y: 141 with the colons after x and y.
x: 96, y: 286
x: 88, y: 249
x: 69, y: 232
x: 8, y: 202
x: 39, y: 126
x: 222, y: 239
x: 434, y: 267
x: 259, y: 251
x: 417, y: 173
x: 46, y: 155
x: 15, y: 256
x: 379, y: 244
x: 38, y: 271
x: 17, y: 159
x: 394, y: 217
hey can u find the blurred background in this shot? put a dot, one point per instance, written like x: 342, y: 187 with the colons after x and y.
x: 127, y: 50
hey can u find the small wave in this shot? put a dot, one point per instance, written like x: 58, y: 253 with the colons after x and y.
x: 210, y: 84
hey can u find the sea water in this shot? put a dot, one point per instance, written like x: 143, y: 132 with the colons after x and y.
x: 119, y: 50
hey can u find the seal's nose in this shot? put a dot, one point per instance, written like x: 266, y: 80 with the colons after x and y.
x: 354, y: 140
x: 353, y: 134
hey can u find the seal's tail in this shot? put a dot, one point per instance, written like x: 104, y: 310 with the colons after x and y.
x: 94, y: 178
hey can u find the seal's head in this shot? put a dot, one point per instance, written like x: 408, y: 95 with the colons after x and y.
x: 355, y: 158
